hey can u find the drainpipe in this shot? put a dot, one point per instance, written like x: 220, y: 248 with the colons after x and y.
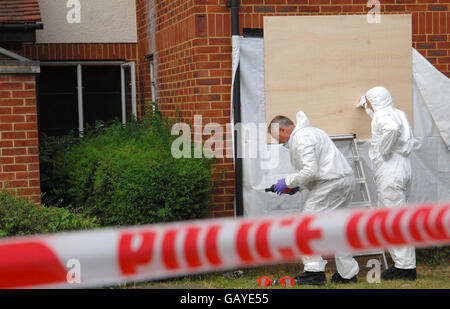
x: 236, y: 107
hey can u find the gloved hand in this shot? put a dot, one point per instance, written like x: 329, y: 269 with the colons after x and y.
x: 362, y: 102
x: 280, y: 186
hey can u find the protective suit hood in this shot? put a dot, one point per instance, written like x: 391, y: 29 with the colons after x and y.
x: 380, y: 98
x: 302, y: 120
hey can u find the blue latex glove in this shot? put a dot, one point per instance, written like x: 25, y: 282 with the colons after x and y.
x: 281, y: 186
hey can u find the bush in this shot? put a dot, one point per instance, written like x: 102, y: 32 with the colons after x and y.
x: 20, y: 217
x: 433, y: 255
x: 49, y: 146
x: 126, y: 175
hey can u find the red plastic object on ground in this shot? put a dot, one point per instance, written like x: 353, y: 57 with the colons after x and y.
x: 264, y: 281
x: 287, y: 281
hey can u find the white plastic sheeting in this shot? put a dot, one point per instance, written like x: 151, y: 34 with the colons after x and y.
x: 434, y: 88
x: 430, y: 159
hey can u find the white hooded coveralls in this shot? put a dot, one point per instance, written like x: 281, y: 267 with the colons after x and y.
x: 391, y: 144
x: 322, y: 169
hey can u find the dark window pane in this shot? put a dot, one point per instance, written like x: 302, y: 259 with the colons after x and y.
x: 57, y: 100
x: 101, y: 79
x: 101, y: 93
x: 58, y: 97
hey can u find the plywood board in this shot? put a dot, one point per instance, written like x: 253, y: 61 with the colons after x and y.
x: 324, y: 64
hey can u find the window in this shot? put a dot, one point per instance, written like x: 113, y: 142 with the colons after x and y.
x: 72, y: 94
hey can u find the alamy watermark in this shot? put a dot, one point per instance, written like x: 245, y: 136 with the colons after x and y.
x: 251, y: 137
x: 74, y: 271
x: 74, y: 14
x: 374, y: 15
x: 374, y: 274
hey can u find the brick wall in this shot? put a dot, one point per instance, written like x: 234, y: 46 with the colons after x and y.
x: 193, y: 72
x: 431, y: 19
x: 19, y: 160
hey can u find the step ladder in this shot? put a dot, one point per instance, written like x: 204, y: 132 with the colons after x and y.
x: 361, y: 182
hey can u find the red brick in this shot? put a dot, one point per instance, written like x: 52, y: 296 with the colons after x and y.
x: 11, y: 85
x: 25, y: 126
x: 212, y: 81
x: 13, y: 135
x: 6, y: 160
x: 14, y: 168
x: 5, y: 110
x: 6, y: 144
x: 11, y: 118
x: 5, y: 127
x: 24, y: 94
x: 33, y: 167
x: 330, y: 8
x: 13, y: 151
x: 27, y: 175
x: 412, y: 8
x: 25, y: 143
x: 7, y: 176
x: 11, y: 102
x: 208, y: 65
x: 32, y: 150
x: 444, y: 60
x: 22, y: 77
x: 29, y: 191
x: 24, y: 110
x: 17, y: 184
x: 5, y: 94
x: 222, y: 214
x: 27, y: 159
x: 309, y: 8
x: 34, y: 183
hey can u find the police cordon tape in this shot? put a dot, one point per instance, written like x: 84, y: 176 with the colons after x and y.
x: 113, y: 256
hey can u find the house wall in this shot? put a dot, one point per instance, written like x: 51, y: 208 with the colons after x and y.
x: 193, y: 72
x: 101, y: 21
x: 19, y: 160
x: 430, y: 19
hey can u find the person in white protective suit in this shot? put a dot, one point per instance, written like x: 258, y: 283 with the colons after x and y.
x: 323, y: 170
x: 391, y: 144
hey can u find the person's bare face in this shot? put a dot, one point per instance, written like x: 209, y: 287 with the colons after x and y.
x: 283, y: 133
x: 369, y: 105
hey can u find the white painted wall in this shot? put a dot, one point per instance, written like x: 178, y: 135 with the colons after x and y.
x: 101, y: 21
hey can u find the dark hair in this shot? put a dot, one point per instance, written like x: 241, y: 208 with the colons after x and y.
x: 282, y: 122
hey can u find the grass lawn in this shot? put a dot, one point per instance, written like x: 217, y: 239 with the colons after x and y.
x: 429, y: 277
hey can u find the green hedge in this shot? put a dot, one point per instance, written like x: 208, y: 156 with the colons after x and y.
x: 49, y: 146
x: 433, y: 255
x: 20, y: 217
x: 126, y: 175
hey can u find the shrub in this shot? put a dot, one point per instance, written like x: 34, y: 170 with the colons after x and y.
x: 144, y: 187
x: 433, y: 255
x: 127, y: 175
x: 20, y: 217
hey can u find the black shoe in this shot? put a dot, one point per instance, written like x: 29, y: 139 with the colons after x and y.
x: 397, y: 273
x: 337, y: 278
x: 311, y: 278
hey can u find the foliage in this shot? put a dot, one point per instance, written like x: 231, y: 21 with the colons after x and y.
x: 48, y: 147
x: 433, y: 255
x: 127, y: 175
x: 20, y: 217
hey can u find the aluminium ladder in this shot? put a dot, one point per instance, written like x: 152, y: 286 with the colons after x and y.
x: 361, y: 181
